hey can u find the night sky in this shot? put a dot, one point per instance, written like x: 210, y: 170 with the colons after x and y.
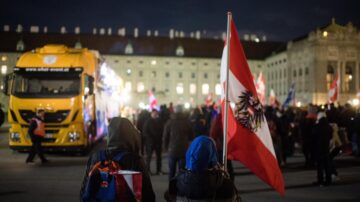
x: 278, y: 20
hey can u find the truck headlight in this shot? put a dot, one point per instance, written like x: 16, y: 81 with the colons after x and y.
x: 74, y: 136
x: 15, y: 137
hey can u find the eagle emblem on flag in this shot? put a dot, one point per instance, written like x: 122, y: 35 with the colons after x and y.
x: 248, y: 111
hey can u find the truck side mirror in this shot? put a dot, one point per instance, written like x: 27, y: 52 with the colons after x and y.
x: 91, y: 85
x: 5, y: 84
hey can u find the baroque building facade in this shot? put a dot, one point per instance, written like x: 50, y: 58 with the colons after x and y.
x: 186, y: 70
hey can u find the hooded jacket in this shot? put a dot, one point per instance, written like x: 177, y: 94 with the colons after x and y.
x: 124, y: 137
x: 202, y: 181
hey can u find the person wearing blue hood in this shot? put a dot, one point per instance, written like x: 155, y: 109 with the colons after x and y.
x: 203, y: 179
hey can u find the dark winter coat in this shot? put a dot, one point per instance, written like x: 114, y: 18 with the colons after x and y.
x: 152, y: 131
x: 124, y: 137
x: 323, y: 134
x: 177, y: 135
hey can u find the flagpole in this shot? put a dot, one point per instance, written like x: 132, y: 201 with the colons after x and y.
x: 226, y: 91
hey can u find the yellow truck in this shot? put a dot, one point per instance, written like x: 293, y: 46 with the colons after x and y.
x: 66, y: 82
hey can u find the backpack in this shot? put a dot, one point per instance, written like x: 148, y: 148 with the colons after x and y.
x: 105, y: 184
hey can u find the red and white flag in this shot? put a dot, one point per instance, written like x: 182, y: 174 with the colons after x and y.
x: 209, y: 100
x: 152, y: 100
x: 273, y: 101
x: 260, y: 88
x: 248, y: 136
x: 334, y: 89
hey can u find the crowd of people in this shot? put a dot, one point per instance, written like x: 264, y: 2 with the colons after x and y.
x: 320, y: 132
x: 193, y: 160
x: 193, y: 141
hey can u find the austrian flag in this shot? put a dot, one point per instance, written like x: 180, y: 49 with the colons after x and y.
x: 248, y: 136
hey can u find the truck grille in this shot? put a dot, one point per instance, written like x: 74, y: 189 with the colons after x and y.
x: 50, y: 117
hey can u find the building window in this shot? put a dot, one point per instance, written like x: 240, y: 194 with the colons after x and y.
x: 349, y: 77
x: 300, y: 72
x: 294, y: 73
x: 180, y: 51
x: 205, y: 75
x: 218, y: 89
x: 141, y: 61
x: 167, y: 74
x: 180, y: 88
x: 167, y: 62
x: 205, y: 89
x: 192, y: 88
x: 129, y: 49
x: 193, y: 63
x: 20, y: 46
x: 306, y: 71
x: 280, y: 75
x: 331, y: 67
x: 116, y: 61
x: 128, y: 61
x: 140, y: 87
x: 180, y: 75
x: 128, y: 86
x: 128, y: 72
x: 205, y: 64
x: 180, y: 63
x: 3, y: 69
x: 193, y: 75
x: 140, y: 73
x: 153, y: 74
x: 3, y: 58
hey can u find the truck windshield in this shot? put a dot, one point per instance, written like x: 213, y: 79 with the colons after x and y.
x: 46, y: 85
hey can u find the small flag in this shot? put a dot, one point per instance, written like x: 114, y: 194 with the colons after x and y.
x: 291, y: 96
x: 334, y: 89
x: 209, y: 99
x: 260, y: 88
x: 152, y: 100
x: 273, y: 100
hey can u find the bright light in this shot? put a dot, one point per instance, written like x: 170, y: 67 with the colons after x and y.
x: 192, y: 88
x: 298, y: 104
x: 125, y: 96
x: 180, y: 88
x: 128, y: 71
x: 142, y: 105
x: 187, y: 105
x: 232, y: 105
x: 257, y: 40
x: 153, y: 62
x: 3, y: 69
x: 140, y: 87
x: 355, y: 102
x: 205, y: 89
x: 218, y: 89
x: 86, y: 90
x: 350, y: 77
x: 128, y: 86
x: 325, y: 34
x: 1, y: 87
x: 3, y: 58
x: 322, y: 107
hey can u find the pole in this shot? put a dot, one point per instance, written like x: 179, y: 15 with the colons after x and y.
x: 225, y: 128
